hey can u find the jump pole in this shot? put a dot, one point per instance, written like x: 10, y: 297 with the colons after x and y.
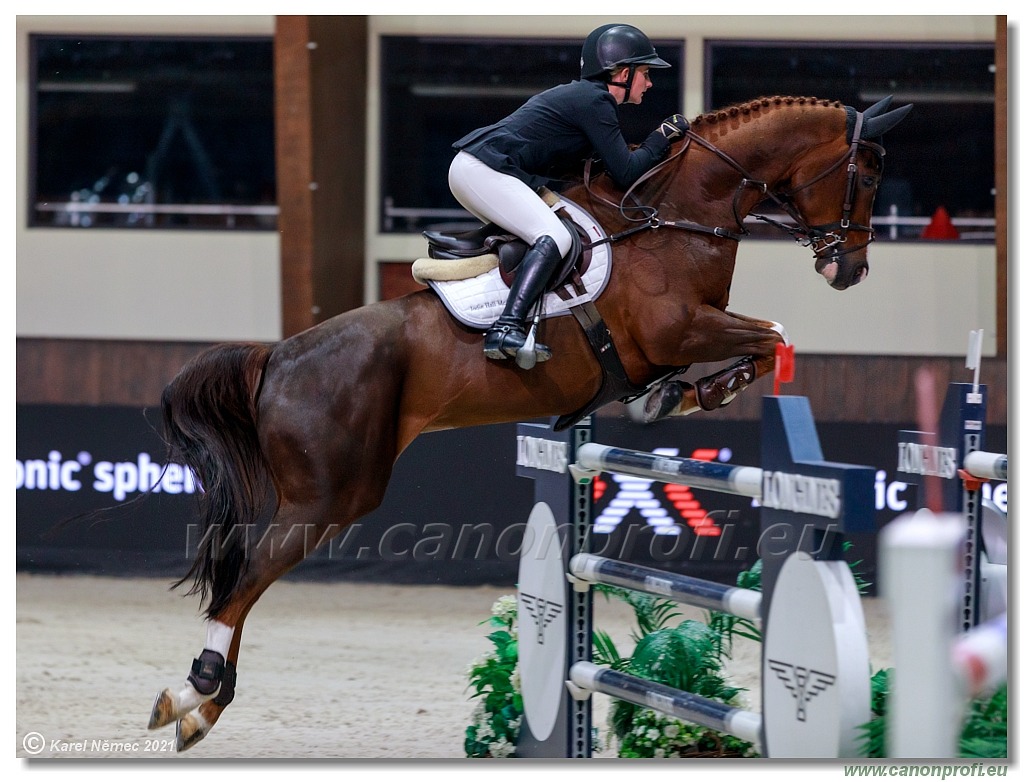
x: 815, y: 669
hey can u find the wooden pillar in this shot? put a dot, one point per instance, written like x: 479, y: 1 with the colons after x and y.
x: 320, y: 69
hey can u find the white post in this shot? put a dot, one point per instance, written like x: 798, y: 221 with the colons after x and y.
x: 974, y: 354
x: 921, y: 559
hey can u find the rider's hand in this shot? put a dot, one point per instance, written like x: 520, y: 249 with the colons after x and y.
x: 674, y: 127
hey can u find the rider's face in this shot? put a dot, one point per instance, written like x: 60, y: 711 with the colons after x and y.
x: 641, y: 83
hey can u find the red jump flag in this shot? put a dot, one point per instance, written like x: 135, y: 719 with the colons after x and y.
x: 785, y: 365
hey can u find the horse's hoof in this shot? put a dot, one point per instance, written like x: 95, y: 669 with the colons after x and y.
x: 164, y: 710
x: 666, y: 400
x: 192, y: 729
x: 660, y: 402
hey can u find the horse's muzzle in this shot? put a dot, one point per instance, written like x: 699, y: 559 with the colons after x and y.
x: 842, y: 282
x: 840, y: 275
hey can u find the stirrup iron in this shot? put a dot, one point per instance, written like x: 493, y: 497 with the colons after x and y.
x: 528, y: 355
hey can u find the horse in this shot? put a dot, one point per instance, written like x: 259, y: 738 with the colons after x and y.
x: 300, y: 436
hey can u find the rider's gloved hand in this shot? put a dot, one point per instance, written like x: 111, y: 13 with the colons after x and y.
x: 674, y: 127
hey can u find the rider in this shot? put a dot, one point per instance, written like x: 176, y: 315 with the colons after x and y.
x: 499, y: 169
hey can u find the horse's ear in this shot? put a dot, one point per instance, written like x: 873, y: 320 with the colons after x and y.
x: 879, y: 108
x: 876, y: 126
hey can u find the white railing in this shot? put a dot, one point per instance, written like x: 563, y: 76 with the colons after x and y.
x: 970, y: 228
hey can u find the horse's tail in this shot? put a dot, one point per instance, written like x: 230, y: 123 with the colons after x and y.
x: 209, y: 413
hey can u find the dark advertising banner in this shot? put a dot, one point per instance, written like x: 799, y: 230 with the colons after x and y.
x: 455, y: 512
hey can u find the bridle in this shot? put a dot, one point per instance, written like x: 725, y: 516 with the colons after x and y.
x: 825, y: 240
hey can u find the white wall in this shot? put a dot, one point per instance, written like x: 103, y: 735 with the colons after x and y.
x: 918, y: 300
x: 158, y: 285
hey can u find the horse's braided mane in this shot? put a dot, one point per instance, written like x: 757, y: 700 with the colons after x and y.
x: 722, y: 115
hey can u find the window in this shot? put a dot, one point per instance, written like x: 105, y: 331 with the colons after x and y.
x: 150, y: 132
x: 941, y: 155
x: 434, y: 91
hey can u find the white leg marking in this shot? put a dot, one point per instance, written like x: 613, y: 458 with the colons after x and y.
x: 218, y: 637
x: 188, y: 699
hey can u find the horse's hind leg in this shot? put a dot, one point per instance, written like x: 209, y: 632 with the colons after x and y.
x: 193, y: 726
x: 212, y: 678
x: 675, y: 397
x: 210, y: 686
x: 325, y: 434
x: 292, y: 535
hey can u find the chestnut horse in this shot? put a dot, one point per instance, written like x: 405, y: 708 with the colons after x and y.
x: 299, y: 437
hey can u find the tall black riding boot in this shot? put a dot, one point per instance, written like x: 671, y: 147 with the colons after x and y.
x: 508, y: 334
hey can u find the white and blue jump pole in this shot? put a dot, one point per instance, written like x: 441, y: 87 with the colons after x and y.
x: 698, y: 592
x: 815, y: 666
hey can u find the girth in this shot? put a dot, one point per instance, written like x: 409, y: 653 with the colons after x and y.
x: 615, y: 383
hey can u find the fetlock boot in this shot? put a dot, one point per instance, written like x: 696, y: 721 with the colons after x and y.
x: 508, y: 334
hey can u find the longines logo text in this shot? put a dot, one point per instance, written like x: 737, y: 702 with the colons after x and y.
x: 802, y: 494
x: 920, y: 459
x: 542, y: 454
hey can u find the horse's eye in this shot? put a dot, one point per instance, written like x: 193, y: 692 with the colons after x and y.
x: 869, y: 182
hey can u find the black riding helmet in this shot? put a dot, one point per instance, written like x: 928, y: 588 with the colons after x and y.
x: 613, y: 46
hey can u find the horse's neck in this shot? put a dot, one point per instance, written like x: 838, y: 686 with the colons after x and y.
x: 762, y: 148
x: 701, y: 186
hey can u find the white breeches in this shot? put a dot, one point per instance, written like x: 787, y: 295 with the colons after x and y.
x: 491, y: 196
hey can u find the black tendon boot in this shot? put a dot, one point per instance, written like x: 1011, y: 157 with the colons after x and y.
x: 508, y: 334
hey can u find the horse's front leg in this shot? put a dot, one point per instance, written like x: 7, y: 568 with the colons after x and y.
x: 723, y: 335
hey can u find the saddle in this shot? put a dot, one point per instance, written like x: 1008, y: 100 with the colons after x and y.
x: 491, y: 241
x: 509, y: 249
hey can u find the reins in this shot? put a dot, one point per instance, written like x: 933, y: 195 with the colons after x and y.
x: 650, y: 218
x: 820, y: 238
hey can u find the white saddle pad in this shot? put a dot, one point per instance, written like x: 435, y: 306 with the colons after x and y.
x: 478, y: 301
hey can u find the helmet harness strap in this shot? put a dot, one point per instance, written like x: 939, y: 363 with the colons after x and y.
x: 627, y: 85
